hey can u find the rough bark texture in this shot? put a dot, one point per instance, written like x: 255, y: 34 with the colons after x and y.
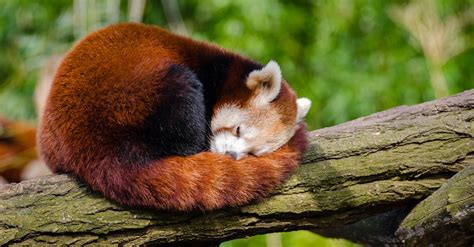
x: 449, y: 210
x: 356, y: 175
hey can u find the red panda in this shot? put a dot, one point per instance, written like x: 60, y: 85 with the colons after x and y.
x: 134, y: 110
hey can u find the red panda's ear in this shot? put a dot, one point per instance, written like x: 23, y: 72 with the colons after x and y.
x: 266, y: 83
x: 303, y: 105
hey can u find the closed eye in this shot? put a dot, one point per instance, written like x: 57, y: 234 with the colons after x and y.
x: 236, y: 131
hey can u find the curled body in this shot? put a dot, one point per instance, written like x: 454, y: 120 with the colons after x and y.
x: 152, y: 119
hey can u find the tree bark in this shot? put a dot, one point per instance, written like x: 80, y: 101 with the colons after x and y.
x: 449, y: 210
x: 354, y: 174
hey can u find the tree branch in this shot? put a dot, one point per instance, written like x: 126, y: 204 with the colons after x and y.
x: 352, y: 171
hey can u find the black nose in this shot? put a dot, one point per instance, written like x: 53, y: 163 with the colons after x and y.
x: 232, y: 154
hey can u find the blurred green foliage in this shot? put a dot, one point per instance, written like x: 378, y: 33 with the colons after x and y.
x: 349, y: 57
x: 291, y: 239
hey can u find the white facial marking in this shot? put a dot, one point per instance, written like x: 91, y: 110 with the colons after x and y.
x: 266, y: 82
x: 248, y: 132
x: 226, y: 143
x: 303, y: 105
x: 227, y: 116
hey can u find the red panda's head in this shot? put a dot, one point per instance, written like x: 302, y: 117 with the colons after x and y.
x: 262, y: 122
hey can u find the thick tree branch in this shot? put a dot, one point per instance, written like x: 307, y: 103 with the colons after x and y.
x: 355, y: 170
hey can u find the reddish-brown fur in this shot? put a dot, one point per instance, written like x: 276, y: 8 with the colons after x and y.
x: 102, y: 94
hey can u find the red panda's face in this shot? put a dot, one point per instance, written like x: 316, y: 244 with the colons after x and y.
x: 263, y: 124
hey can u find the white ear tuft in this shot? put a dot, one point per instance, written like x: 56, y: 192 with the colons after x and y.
x: 266, y: 82
x: 303, y: 105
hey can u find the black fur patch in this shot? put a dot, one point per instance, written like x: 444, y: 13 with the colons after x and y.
x: 178, y: 125
x: 213, y: 74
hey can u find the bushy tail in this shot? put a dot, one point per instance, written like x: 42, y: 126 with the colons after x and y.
x: 204, y: 181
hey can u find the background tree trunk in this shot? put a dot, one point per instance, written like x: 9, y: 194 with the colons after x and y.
x: 360, y: 177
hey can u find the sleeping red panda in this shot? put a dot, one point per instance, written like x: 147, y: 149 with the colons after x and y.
x: 133, y: 110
